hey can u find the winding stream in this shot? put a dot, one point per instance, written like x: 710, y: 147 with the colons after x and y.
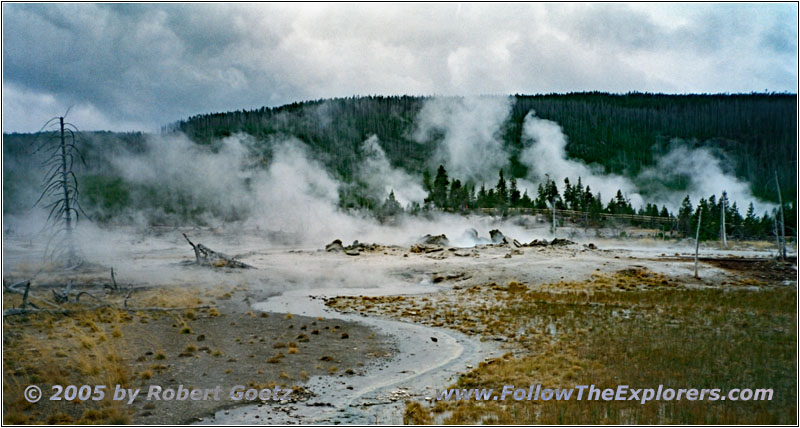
x: 419, y: 365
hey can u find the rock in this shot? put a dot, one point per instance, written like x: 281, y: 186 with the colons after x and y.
x: 352, y: 252
x: 516, y: 243
x: 497, y: 236
x: 335, y: 246
x: 591, y: 246
x: 435, y: 240
x: 433, y: 339
x: 507, y: 256
x: 538, y: 243
x: 561, y: 242
x: 422, y: 248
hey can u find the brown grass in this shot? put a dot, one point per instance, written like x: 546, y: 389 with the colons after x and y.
x: 634, y: 327
x: 85, y: 347
x: 55, y: 350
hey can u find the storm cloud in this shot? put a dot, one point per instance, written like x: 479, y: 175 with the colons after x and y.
x: 138, y: 66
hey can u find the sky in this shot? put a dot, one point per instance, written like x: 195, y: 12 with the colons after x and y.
x: 135, y: 67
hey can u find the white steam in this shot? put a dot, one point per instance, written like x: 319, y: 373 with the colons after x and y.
x: 197, y: 175
x: 382, y: 178
x: 704, y: 174
x: 545, y: 154
x: 290, y: 198
x: 471, y: 147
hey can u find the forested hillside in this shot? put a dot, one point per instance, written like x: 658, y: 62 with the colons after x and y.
x: 621, y: 132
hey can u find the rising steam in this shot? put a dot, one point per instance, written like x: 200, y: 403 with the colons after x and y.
x: 381, y: 177
x: 471, y: 147
x: 293, y: 199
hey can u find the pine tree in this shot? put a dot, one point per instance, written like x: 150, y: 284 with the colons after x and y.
x: 390, y: 206
x: 568, y: 196
x: 439, y: 193
x: 514, y: 196
x: 456, y: 197
x: 541, y: 197
x: 502, y: 191
x: 685, y: 217
x: 526, y: 201
x: 751, y: 222
x: 482, y: 198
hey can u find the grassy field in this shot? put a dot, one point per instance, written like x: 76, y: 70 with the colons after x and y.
x: 632, y: 328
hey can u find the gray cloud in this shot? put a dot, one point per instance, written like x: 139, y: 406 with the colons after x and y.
x: 138, y: 66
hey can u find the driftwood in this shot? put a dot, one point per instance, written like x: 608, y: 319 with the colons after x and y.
x: 205, y: 256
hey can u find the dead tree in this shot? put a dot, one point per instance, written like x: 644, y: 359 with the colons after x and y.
x: 697, y: 242
x: 782, y: 230
x: 60, y: 190
x: 723, y: 235
x: 205, y: 256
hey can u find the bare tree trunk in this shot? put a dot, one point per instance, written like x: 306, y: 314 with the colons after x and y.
x: 777, y: 234
x: 782, y: 230
x: 697, y: 242
x: 722, y: 226
x: 67, y: 212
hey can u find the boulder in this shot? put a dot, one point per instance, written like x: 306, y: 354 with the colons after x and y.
x: 497, y: 236
x: 538, y: 243
x: 435, y: 240
x: 335, y: 246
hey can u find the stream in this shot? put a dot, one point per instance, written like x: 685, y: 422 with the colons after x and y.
x: 418, y: 366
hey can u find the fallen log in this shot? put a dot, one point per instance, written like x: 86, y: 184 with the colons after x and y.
x: 205, y: 256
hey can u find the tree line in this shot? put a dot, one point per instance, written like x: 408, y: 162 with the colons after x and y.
x: 624, y: 133
x: 451, y: 194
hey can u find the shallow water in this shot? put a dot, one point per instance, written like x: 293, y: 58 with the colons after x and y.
x: 418, y: 367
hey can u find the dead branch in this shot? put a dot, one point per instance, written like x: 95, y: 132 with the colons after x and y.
x: 25, y: 302
x: 125, y: 302
x: 13, y: 288
x: 113, y: 286
x: 205, y: 256
x: 62, y: 296
x: 78, y: 297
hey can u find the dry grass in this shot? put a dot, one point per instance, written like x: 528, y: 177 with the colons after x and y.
x: 275, y: 359
x: 635, y: 327
x: 85, y: 347
x: 48, y: 350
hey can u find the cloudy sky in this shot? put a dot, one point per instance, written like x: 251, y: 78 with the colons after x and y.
x: 139, y: 66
